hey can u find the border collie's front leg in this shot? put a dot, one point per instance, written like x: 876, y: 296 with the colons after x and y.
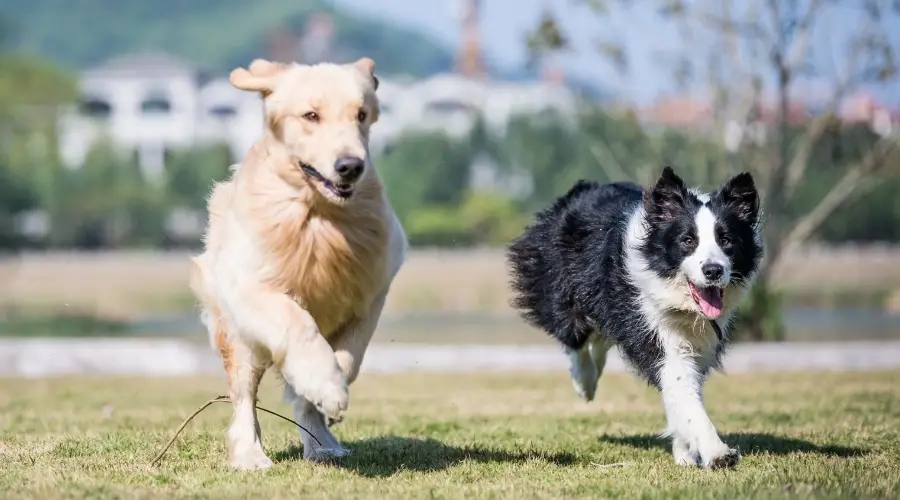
x: 681, y: 384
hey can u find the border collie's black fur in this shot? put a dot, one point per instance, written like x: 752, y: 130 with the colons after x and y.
x: 657, y: 272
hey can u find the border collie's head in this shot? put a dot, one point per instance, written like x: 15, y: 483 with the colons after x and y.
x: 705, y: 246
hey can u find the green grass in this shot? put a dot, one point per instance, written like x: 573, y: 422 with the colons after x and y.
x: 454, y: 436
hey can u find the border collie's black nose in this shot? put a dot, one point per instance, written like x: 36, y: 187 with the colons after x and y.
x: 713, y: 272
x: 349, y: 167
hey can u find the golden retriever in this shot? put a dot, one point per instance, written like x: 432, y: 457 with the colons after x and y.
x: 300, y: 251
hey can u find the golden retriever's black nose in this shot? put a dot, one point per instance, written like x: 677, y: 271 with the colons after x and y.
x: 349, y: 167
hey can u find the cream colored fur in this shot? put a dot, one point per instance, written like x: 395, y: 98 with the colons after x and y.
x: 293, y: 275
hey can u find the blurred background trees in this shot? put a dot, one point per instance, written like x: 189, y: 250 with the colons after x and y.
x: 750, y: 56
x: 823, y: 180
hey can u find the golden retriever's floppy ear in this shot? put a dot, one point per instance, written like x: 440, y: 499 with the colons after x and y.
x: 261, y: 76
x: 367, y: 67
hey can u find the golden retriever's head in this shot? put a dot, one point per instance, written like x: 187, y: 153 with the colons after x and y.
x: 321, y: 114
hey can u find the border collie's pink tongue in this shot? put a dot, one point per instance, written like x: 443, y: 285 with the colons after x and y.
x: 709, y: 299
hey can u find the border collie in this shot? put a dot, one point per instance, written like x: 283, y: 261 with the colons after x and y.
x: 657, y: 272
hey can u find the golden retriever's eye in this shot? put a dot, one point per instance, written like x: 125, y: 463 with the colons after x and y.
x: 361, y: 116
x: 312, y: 116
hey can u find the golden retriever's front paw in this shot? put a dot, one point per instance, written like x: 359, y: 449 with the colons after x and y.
x: 333, y: 400
x: 320, y: 454
x: 251, y: 459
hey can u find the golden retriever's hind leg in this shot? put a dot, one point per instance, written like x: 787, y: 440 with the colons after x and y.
x: 325, y: 446
x: 244, y: 371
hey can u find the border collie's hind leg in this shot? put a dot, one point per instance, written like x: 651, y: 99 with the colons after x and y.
x: 587, y: 365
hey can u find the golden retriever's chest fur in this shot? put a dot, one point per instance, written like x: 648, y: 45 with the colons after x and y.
x: 333, y: 265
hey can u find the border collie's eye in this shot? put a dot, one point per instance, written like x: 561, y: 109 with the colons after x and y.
x: 725, y: 241
x: 361, y: 116
x: 312, y: 116
x: 687, y: 241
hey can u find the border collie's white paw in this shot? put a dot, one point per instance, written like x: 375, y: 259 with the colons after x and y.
x: 684, y: 455
x: 726, y: 459
x: 320, y: 454
x: 252, y: 459
x: 584, y: 374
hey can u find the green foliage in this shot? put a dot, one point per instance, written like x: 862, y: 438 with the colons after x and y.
x: 190, y: 174
x: 482, y: 218
x: 15, y: 197
x: 760, y: 316
x: 492, y: 219
x: 30, y: 92
x: 874, y: 213
x: 105, y: 203
x: 17, y: 323
x: 216, y: 35
x: 437, y: 226
x: 425, y: 170
x: 553, y: 153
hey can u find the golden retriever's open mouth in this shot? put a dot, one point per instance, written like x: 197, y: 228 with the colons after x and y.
x: 338, y: 189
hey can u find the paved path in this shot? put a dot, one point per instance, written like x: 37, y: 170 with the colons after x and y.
x: 172, y: 357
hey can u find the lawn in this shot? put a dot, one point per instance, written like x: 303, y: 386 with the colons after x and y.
x: 454, y: 436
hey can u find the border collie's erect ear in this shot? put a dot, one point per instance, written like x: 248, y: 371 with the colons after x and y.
x: 740, y: 195
x: 667, y: 197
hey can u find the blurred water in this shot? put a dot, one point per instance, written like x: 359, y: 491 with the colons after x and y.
x: 803, y: 324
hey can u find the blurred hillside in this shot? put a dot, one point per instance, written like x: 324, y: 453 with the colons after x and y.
x: 214, y: 35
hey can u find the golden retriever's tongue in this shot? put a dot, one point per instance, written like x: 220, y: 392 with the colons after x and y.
x: 710, y: 301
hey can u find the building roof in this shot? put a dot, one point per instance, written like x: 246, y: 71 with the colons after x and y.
x: 156, y: 64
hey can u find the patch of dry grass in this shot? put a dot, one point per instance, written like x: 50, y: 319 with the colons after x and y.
x: 452, y: 436
x: 124, y: 285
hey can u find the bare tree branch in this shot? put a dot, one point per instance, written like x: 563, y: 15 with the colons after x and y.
x: 748, y: 29
x: 798, y: 50
x: 778, y: 27
x: 800, y: 161
x: 846, y: 80
x: 877, y: 158
x: 607, y: 161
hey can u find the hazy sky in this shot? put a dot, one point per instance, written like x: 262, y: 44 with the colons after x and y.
x: 505, y: 22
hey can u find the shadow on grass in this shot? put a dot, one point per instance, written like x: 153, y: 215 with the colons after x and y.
x: 748, y: 444
x: 386, y: 456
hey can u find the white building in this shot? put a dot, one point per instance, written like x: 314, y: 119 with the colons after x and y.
x: 149, y: 104
x: 452, y: 103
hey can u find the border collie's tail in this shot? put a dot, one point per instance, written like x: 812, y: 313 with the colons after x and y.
x: 538, y: 276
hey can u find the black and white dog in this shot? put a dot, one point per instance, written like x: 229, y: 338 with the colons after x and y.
x: 657, y: 272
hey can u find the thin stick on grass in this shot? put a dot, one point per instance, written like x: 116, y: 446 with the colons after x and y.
x: 221, y: 399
